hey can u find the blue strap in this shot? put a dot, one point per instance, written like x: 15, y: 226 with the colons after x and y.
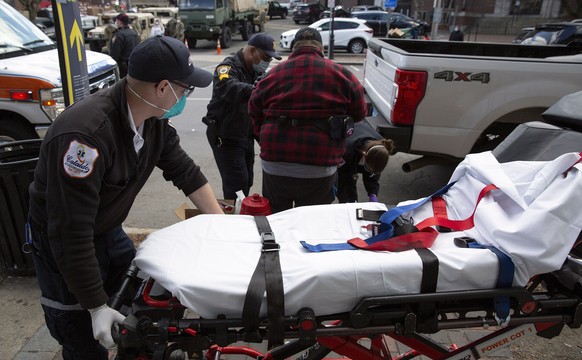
x: 386, y: 228
x: 504, y: 278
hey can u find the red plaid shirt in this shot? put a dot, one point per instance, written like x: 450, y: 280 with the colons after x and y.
x: 305, y: 87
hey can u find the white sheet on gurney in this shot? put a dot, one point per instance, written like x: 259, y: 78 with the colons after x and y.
x: 207, y: 262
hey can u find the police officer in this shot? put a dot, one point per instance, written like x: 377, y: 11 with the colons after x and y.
x: 229, y: 126
x: 122, y: 43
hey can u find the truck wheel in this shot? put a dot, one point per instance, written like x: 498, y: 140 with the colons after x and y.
x: 12, y: 129
x: 191, y: 43
x: 296, y: 22
x: 356, y: 46
x: 247, y: 30
x: 226, y: 38
x: 493, y: 136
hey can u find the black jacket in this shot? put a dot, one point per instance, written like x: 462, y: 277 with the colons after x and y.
x: 352, y: 156
x: 124, y: 40
x: 88, y: 175
x: 232, y: 87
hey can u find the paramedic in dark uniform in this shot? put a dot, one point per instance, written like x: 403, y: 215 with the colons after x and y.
x: 367, y: 153
x: 94, y: 160
x: 124, y: 40
x: 299, y: 156
x: 229, y: 129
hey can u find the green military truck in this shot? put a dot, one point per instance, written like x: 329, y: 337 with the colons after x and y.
x: 217, y: 20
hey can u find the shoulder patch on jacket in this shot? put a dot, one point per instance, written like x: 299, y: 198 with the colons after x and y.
x: 223, y: 72
x: 79, y: 160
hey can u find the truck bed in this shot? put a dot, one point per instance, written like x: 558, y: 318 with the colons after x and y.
x: 475, y: 49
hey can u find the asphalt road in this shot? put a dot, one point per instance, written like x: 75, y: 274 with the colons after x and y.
x: 154, y: 207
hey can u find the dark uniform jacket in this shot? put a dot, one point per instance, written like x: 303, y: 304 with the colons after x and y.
x: 88, y: 175
x: 232, y: 87
x: 352, y: 156
x: 122, y: 43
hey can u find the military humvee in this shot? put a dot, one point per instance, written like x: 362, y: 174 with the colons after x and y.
x: 99, y: 37
x: 169, y: 17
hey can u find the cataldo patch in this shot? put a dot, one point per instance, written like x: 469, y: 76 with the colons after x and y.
x: 223, y: 72
x: 79, y: 160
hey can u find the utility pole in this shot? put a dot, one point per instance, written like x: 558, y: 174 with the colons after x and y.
x: 436, y: 18
x: 331, y: 36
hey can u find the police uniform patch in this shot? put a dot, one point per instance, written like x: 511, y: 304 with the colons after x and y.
x: 223, y: 72
x: 79, y: 160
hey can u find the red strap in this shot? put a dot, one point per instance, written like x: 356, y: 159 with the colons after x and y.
x: 457, y: 225
x: 439, y: 207
x: 426, y: 235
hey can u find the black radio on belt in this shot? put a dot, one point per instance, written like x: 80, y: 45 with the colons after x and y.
x: 340, y: 126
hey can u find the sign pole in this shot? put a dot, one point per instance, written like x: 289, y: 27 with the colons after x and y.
x: 71, y: 49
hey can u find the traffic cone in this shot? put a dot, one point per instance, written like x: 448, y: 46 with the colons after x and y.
x: 218, y: 49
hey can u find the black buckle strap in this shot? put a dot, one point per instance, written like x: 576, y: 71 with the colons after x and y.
x: 266, y: 277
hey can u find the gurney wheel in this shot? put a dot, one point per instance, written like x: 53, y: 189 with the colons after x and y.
x: 174, y: 352
x: 177, y: 355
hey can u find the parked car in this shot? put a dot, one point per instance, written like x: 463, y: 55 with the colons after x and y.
x: 89, y: 22
x: 338, y: 11
x: 365, y: 8
x: 46, y: 25
x: 350, y: 34
x: 522, y: 34
x: 382, y: 21
x: 308, y: 13
x: 294, y: 3
x: 276, y: 9
x: 562, y: 33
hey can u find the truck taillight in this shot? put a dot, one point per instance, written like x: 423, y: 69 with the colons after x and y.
x: 410, y: 88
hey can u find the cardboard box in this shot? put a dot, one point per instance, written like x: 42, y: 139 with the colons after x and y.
x: 185, y: 211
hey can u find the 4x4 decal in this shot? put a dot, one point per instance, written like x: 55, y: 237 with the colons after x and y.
x: 449, y: 75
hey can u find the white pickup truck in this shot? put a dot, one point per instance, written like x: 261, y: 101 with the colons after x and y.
x: 446, y: 99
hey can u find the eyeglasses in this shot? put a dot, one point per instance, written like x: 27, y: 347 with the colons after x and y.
x: 264, y: 56
x: 188, y: 88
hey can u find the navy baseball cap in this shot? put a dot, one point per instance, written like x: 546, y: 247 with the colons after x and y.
x: 266, y: 43
x: 308, y: 33
x: 165, y: 58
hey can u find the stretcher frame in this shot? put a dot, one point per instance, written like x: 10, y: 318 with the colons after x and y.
x: 155, y: 327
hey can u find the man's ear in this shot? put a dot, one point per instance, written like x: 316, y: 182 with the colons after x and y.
x: 162, y: 87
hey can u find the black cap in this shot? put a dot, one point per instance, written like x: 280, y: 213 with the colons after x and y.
x: 308, y: 33
x: 266, y: 43
x: 123, y: 18
x: 165, y: 58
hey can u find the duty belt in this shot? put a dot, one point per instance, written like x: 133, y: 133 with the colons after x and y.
x: 321, y: 124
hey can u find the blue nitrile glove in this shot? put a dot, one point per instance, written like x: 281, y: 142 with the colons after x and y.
x: 373, y: 198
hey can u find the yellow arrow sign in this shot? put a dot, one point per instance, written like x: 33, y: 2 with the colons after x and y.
x: 76, y: 38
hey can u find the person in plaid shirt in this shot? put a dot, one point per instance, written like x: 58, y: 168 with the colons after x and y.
x: 289, y: 109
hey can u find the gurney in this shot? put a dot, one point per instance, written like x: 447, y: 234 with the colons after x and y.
x: 334, y: 299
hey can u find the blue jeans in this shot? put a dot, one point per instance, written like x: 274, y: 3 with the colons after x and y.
x: 71, y: 327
